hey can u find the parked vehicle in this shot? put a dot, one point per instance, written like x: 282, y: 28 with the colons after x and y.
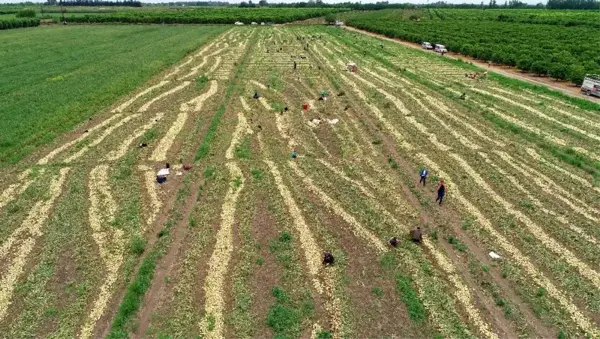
x: 591, y: 85
x: 239, y: 23
x: 426, y: 45
x: 440, y: 48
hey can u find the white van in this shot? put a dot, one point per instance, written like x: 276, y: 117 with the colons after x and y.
x: 440, y: 48
x: 591, y: 85
x: 426, y: 45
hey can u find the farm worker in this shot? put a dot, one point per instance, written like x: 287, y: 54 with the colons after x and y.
x: 255, y: 96
x: 441, y: 191
x: 328, y: 258
x: 416, y: 235
x: 463, y: 96
x: 294, y: 65
x: 294, y: 155
x: 424, y: 173
x: 394, y: 242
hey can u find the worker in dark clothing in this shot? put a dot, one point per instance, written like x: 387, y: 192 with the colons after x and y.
x: 328, y: 258
x: 441, y: 191
x: 295, y: 65
x: 255, y: 96
x: 394, y: 242
x: 423, y: 174
x: 416, y: 235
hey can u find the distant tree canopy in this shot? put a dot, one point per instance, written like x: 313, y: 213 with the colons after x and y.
x: 128, y: 3
x: 573, y: 4
x: 190, y: 3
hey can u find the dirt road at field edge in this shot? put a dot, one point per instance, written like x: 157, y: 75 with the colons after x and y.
x: 563, y: 87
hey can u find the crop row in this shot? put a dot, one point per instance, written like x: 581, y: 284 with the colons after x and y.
x: 19, y: 23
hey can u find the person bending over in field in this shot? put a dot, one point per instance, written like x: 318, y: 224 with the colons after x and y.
x: 328, y: 258
x: 394, y: 242
x: 255, y: 96
x: 416, y: 235
x: 441, y: 191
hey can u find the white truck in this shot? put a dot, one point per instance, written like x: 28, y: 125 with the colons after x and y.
x: 440, y: 48
x: 591, y: 85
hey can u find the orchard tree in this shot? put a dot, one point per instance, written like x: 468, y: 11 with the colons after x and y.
x: 576, y: 74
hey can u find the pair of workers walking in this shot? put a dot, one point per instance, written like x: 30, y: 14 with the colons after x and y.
x: 441, y: 190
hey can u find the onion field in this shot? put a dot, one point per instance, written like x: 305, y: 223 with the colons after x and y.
x: 231, y: 245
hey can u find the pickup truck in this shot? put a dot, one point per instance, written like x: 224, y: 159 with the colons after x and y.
x: 426, y: 45
x: 440, y: 49
x: 591, y: 85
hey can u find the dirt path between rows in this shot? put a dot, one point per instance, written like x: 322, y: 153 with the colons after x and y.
x: 564, y: 87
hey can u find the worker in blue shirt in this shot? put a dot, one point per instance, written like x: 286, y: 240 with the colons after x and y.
x: 423, y: 174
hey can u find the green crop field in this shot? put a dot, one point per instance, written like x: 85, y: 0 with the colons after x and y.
x: 283, y: 145
x: 81, y: 72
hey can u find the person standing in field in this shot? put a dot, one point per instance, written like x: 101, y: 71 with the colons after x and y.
x: 441, y: 191
x: 424, y: 173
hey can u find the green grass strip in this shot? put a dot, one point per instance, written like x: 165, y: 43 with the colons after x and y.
x: 134, y: 296
x: 408, y: 295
